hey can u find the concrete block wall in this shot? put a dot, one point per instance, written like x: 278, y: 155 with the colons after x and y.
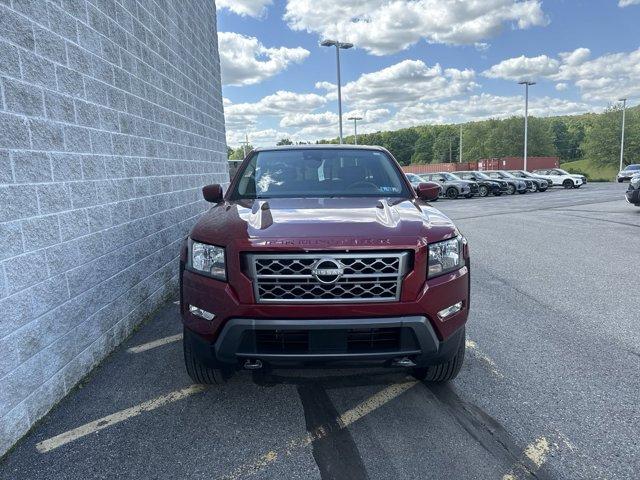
x: 111, y: 121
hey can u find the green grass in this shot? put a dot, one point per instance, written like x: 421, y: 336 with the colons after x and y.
x: 593, y: 172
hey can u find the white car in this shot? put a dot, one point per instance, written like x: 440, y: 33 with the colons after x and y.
x: 561, y: 178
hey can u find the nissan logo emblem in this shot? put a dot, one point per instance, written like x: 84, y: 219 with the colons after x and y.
x: 327, y: 270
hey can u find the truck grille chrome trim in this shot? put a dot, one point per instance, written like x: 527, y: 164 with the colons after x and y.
x: 328, y: 277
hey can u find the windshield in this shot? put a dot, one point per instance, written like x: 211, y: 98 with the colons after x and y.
x: 507, y: 174
x: 320, y: 173
x: 632, y: 167
x: 482, y: 176
x: 450, y: 176
x: 562, y: 172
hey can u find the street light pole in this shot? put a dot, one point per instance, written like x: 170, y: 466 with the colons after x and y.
x: 338, y: 45
x: 460, y: 147
x: 526, y: 118
x: 624, y: 111
x: 355, y: 128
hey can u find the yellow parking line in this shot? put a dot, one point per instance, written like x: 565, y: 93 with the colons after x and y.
x: 374, y: 402
x: 104, y: 422
x: 472, y: 347
x: 536, y: 453
x: 156, y: 343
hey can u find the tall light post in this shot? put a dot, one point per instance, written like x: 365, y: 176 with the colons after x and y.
x: 624, y: 112
x: 355, y: 128
x: 460, y: 147
x: 345, y: 46
x: 526, y: 84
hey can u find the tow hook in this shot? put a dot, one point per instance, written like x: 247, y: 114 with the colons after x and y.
x: 403, y: 362
x: 253, y: 364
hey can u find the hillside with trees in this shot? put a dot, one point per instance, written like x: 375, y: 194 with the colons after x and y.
x: 595, y: 137
x: 591, y: 137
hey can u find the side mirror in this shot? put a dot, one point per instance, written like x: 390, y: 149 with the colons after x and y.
x: 428, y: 191
x: 212, y: 193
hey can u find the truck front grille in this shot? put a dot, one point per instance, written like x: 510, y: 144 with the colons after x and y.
x: 328, y: 277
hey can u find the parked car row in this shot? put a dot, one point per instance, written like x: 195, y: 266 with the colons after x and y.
x: 497, y: 182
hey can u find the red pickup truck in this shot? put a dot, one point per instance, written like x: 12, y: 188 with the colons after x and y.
x: 323, y: 255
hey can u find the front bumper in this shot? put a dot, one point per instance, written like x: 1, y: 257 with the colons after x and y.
x: 340, y: 342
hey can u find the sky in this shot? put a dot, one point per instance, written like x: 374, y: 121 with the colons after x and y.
x: 417, y: 62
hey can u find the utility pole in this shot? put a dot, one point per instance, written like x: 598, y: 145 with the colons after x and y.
x: 526, y: 84
x: 245, y: 145
x: 338, y: 45
x: 460, y: 147
x: 450, y: 139
x: 355, y: 128
x: 624, y: 111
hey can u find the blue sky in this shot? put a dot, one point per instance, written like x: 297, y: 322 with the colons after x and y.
x: 419, y: 61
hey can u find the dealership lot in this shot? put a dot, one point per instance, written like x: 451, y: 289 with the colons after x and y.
x: 549, y: 388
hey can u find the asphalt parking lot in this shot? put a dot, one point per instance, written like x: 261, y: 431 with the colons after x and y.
x: 549, y: 388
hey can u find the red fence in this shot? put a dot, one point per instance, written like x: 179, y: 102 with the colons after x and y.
x: 505, y: 163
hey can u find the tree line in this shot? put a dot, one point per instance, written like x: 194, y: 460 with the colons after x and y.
x: 589, y: 136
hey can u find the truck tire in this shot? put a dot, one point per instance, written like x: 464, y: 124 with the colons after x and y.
x: 567, y: 183
x: 198, y: 371
x: 445, y: 371
x: 452, y: 192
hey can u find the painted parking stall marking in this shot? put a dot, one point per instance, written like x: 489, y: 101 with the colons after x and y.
x: 104, y: 422
x: 155, y: 343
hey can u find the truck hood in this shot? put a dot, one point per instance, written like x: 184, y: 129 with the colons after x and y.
x: 359, y: 220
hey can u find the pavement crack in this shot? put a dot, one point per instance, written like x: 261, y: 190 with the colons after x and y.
x: 566, y: 212
x: 530, y: 210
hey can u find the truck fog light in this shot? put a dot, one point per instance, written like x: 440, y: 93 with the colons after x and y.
x: 198, y: 312
x: 447, y: 312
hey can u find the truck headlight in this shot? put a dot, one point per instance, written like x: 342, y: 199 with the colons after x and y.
x: 207, y: 259
x: 445, y: 257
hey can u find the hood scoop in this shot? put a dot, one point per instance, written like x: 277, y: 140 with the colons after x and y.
x: 386, y: 214
x: 260, y: 217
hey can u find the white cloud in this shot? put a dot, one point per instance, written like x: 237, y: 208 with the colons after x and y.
x: 243, y: 116
x: 278, y: 103
x: 561, y: 87
x: 387, y: 26
x: 577, y: 57
x: 251, y: 8
x: 524, y: 68
x: 308, y: 119
x: 245, y: 61
x: 404, y: 82
x: 257, y: 138
x: 603, y: 79
x: 482, y: 107
x: 626, y: 3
